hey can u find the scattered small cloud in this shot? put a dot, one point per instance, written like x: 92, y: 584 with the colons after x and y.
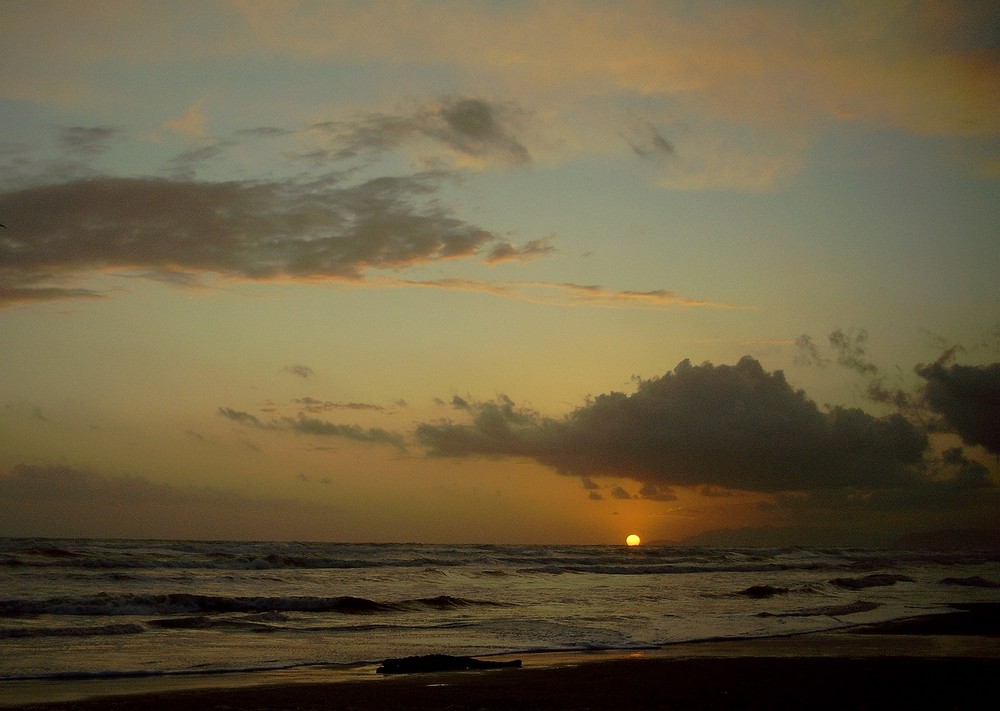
x: 312, y: 405
x: 507, y: 252
x: 647, y: 142
x: 244, y: 418
x: 264, y: 132
x: 247, y: 444
x: 313, y: 426
x: 715, y: 492
x: 619, y: 492
x: 87, y: 142
x: 467, y: 126
x: 192, y: 123
x: 851, y: 351
x: 478, y: 127
x: 303, y: 371
x: 25, y: 410
x: 184, y: 164
x: 808, y: 352
x: 656, y: 492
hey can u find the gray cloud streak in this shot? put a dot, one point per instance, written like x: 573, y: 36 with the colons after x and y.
x: 87, y: 141
x: 313, y: 426
x: 261, y: 231
x: 311, y: 404
x: 244, y: 418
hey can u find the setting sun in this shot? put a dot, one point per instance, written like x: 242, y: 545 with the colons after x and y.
x: 633, y: 540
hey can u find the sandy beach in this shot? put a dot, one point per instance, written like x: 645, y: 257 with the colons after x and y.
x: 948, y: 661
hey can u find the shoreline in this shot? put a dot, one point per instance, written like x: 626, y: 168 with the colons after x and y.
x: 958, y: 649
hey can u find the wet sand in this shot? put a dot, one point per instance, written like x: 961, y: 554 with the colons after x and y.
x: 948, y: 661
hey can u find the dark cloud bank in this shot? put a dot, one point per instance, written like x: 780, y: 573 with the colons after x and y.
x: 736, y: 426
x: 968, y: 400
x: 740, y: 428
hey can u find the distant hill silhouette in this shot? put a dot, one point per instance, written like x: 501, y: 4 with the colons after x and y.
x: 778, y: 537
x: 951, y: 539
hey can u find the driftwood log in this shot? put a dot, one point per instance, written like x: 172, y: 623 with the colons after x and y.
x: 439, y: 663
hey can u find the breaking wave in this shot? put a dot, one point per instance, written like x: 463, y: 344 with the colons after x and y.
x: 186, y: 603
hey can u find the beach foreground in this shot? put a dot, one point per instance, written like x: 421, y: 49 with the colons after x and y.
x: 946, y: 661
x: 696, y: 683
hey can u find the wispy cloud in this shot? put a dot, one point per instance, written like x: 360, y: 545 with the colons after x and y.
x: 926, y: 68
x: 646, y: 141
x: 470, y: 127
x: 310, y: 404
x: 507, y: 252
x: 312, y: 426
x: 87, y: 141
x: 244, y: 418
x: 302, y: 424
x: 952, y: 397
x: 192, y: 123
x: 566, y: 294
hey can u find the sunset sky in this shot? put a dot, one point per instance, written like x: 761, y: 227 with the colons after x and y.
x: 499, y: 271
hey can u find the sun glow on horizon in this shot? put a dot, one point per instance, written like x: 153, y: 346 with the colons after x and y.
x: 632, y: 540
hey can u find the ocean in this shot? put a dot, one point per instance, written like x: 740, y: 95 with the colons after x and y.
x: 116, y: 609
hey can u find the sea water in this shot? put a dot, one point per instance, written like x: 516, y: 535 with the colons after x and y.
x: 107, y: 609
